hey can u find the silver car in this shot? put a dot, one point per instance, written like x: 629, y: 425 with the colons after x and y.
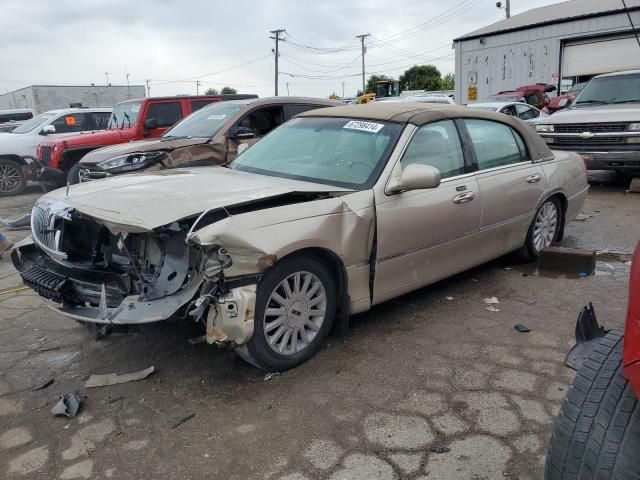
x: 523, y: 111
x: 335, y: 211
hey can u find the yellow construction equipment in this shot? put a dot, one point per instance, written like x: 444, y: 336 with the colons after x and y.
x: 384, y: 88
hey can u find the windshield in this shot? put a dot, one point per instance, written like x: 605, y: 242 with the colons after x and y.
x: 335, y: 151
x: 618, y: 89
x: 124, y: 115
x: 503, y: 98
x: 206, y: 122
x: 33, y: 123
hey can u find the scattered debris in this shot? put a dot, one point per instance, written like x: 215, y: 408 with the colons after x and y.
x: 44, y: 385
x: 492, y: 309
x: 491, y: 301
x: 184, y: 420
x: 22, y: 223
x: 568, y: 260
x: 449, y: 299
x: 634, y: 187
x: 67, y: 406
x: 522, y: 328
x: 474, y: 279
x: 582, y: 217
x: 271, y: 376
x: 439, y: 449
x: 198, y: 340
x: 114, y: 400
x: 114, y: 378
x: 507, y: 268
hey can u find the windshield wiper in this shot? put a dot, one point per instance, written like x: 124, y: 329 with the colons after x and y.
x: 591, y: 102
x: 627, y: 101
x: 126, y: 115
x: 115, y: 121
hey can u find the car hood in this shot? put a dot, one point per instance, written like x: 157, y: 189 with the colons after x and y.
x: 628, y: 112
x: 142, y: 202
x: 155, y: 144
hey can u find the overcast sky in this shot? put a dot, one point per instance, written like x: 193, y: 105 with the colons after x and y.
x: 175, y: 42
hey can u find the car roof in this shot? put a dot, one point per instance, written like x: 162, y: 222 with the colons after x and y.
x: 498, y: 104
x: 279, y: 101
x: 76, y: 110
x: 615, y: 74
x: 418, y: 114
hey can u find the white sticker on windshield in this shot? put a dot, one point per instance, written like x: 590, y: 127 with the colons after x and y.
x: 216, y: 117
x: 364, y: 126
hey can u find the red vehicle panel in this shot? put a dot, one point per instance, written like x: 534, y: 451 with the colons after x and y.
x: 631, y: 354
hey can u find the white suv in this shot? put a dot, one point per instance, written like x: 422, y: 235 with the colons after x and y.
x: 18, y: 147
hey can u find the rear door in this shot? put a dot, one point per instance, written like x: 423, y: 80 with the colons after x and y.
x: 160, y: 116
x: 511, y: 185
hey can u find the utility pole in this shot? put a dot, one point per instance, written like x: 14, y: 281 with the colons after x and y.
x: 148, y: 88
x: 107, y: 75
x: 277, y: 38
x: 507, y: 7
x: 288, y: 94
x: 128, y: 86
x: 364, y: 50
x: 342, y: 89
x: 197, y: 87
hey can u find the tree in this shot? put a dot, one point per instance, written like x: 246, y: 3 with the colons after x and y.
x: 421, y: 77
x: 211, y: 92
x: 371, y: 83
x: 228, y: 91
x: 448, y: 82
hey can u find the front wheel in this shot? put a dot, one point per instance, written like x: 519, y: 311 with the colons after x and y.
x: 295, y: 308
x: 597, y: 433
x: 12, y: 178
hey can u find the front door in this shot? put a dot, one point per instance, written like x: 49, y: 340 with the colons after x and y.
x: 427, y: 235
x: 260, y: 121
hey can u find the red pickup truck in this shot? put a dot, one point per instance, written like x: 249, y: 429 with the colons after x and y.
x: 131, y: 120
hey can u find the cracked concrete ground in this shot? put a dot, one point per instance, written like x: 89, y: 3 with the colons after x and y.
x: 423, y: 387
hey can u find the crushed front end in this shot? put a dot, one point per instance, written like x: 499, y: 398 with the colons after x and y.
x: 104, y: 274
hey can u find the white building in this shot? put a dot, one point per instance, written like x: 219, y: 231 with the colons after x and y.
x: 561, y: 44
x: 41, y: 98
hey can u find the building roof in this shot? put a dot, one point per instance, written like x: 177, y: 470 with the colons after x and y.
x: 550, y: 14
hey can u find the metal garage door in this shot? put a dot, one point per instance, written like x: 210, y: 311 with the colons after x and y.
x: 601, y: 55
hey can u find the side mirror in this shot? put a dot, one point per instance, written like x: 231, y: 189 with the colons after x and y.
x: 47, y: 129
x: 417, y: 177
x: 240, y: 133
x: 150, y: 123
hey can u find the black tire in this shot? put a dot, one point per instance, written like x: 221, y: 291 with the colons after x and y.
x: 12, y: 178
x: 597, y: 433
x: 528, y: 252
x: 260, y: 352
x: 73, y: 176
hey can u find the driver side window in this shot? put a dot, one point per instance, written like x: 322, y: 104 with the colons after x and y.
x: 262, y: 120
x: 437, y: 145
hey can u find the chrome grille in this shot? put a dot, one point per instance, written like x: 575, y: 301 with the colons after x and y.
x: 588, y: 141
x: 45, y: 155
x: 47, y: 225
x: 590, y: 127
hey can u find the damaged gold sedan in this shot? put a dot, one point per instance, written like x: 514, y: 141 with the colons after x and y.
x: 336, y: 211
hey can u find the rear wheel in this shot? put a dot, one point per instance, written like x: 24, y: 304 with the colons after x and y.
x: 295, y: 308
x: 597, y: 433
x: 544, y: 229
x: 12, y: 178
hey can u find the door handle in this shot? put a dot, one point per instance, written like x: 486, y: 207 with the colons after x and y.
x: 464, y: 197
x: 535, y: 178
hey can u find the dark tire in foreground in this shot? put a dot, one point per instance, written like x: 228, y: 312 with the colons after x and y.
x: 12, y: 178
x: 295, y: 308
x: 597, y: 433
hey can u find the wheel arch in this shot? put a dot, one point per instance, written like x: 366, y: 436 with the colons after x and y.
x: 339, y: 272
x: 73, y: 155
x: 564, y: 203
x: 14, y: 158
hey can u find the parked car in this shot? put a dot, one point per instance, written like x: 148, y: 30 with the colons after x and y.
x: 213, y: 135
x: 524, y: 112
x: 597, y: 433
x: 18, y: 147
x: 535, y: 95
x: 131, y: 120
x: 602, y: 125
x: 11, y: 119
x: 563, y: 101
x: 322, y: 218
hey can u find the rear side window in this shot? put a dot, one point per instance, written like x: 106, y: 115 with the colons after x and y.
x: 99, y: 120
x: 526, y: 113
x: 437, y: 145
x: 166, y: 113
x: 198, y: 104
x: 494, y: 143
